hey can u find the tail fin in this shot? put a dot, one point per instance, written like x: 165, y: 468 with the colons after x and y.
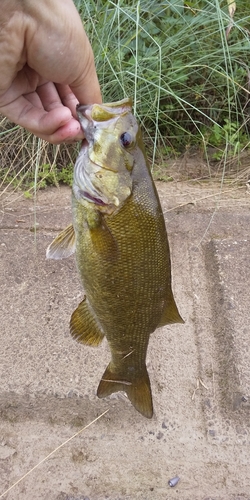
x: 138, y: 391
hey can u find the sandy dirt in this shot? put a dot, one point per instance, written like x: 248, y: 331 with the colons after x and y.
x: 199, y: 371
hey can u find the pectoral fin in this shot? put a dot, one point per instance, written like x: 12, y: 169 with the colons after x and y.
x: 63, y: 245
x: 104, y: 242
x: 170, y: 313
x: 84, y: 327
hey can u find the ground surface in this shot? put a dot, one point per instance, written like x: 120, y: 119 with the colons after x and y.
x: 200, y: 371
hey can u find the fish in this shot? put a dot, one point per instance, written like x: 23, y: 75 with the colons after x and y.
x: 122, y: 251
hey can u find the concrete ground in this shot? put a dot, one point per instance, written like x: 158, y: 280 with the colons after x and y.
x: 200, y: 371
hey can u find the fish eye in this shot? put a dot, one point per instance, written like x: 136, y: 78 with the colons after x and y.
x: 126, y: 139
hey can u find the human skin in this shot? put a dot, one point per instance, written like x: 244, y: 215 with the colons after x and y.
x: 46, y: 67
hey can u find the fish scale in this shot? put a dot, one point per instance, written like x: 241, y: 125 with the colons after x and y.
x: 122, y: 250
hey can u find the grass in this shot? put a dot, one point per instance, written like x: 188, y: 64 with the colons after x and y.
x: 28, y: 162
x: 186, y: 66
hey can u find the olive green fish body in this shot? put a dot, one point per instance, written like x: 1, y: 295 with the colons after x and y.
x: 123, y: 258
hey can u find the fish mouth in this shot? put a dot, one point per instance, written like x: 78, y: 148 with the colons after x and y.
x: 86, y: 122
x: 88, y: 197
x: 102, y: 112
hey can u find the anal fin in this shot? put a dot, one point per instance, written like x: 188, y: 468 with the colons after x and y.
x: 84, y: 327
x: 138, y: 390
x: 170, y: 313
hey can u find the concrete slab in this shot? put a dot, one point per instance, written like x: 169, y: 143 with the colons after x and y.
x: 227, y: 262
x: 199, y: 371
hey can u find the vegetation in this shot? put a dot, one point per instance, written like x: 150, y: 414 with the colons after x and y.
x: 185, y: 63
x: 25, y: 159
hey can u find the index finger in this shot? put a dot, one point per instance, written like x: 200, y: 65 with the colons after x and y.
x: 86, y: 88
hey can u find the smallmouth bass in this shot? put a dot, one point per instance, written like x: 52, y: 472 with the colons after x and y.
x: 122, y: 250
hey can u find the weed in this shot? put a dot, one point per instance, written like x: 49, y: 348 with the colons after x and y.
x: 229, y: 134
x: 185, y: 63
x: 24, y: 157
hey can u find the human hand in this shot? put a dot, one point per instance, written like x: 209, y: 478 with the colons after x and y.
x: 46, y: 67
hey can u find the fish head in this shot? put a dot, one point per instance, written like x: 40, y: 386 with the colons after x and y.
x: 102, y: 173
